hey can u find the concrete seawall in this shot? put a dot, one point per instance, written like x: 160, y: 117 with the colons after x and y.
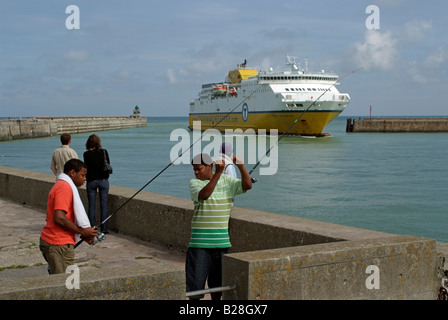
x: 12, y: 129
x: 397, y: 125
x: 273, y: 256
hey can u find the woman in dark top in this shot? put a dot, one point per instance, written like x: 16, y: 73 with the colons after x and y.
x: 97, y: 179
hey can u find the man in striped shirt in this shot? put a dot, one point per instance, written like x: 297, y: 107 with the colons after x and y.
x: 212, y: 194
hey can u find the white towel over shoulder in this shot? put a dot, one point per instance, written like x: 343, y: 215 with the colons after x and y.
x: 81, y: 218
x: 230, y: 167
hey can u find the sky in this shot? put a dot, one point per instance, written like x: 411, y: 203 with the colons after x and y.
x: 157, y: 54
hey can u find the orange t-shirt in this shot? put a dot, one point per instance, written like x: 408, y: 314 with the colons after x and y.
x: 59, y: 198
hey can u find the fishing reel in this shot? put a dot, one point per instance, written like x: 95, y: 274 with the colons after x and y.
x: 100, y: 237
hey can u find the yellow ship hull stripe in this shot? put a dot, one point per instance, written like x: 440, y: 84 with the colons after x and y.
x: 310, y: 122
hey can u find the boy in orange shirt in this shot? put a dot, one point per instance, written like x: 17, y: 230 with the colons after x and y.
x: 58, y: 235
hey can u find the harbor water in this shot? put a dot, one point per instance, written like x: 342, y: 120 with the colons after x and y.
x: 391, y: 182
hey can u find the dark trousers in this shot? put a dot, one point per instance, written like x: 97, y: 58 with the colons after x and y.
x: 204, y: 265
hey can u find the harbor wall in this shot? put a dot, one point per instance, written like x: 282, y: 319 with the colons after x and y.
x: 397, y: 125
x: 162, y: 282
x: 13, y: 129
x: 273, y: 256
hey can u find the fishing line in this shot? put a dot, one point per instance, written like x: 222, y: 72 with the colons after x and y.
x: 100, y: 237
x: 296, y: 120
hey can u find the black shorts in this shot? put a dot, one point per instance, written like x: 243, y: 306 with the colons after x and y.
x: 204, y: 264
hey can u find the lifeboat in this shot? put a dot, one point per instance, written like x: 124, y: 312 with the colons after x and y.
x: 219, y: 90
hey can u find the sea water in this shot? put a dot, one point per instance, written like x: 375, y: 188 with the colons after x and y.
x: 391, y: 182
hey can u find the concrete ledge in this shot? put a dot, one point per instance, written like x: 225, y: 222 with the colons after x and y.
x: 273, y: 256
x: 165, y: 282
x: 248, y: 226
x: 406, y: 270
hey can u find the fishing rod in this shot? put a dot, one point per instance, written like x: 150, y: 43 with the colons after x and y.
x: 297, y: 119
x: 100, y: 236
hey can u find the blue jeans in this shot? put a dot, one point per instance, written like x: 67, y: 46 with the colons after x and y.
x: 103, y: 187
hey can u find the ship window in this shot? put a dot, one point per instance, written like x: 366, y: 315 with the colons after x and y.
x: 286, y: 89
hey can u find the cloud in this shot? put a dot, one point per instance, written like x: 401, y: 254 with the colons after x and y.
x: 438, y: 58
x: 415, y: 31
x: 389, y: 51
x: 76, y: 56
x: 377, y: 51
x: 121, y: 76
x: 171, y: 76
x: 431, y: 69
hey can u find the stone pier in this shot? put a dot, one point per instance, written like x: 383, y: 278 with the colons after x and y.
x: 37, y: 127
x: 273, y: 256
x: 397, y: 125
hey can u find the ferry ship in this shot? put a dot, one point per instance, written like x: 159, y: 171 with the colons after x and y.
x: 270, y: 100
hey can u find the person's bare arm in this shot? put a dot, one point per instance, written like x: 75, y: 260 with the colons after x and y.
x: 207, y: 191
x: 245, y: 178
x: 60, y: 218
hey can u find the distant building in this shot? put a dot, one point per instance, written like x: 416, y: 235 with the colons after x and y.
x: 136, y: 113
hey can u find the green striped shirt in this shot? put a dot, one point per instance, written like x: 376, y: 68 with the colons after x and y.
x: 210, y: 224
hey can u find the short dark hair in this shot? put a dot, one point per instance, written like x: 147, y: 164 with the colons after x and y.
x: 65, y: 138
x: 74, y: 164
x: 202, y: 158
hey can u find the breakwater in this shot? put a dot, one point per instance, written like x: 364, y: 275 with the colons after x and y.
x: 37, y: 127
x: 439, y: 124
x: 296, y: 259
